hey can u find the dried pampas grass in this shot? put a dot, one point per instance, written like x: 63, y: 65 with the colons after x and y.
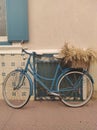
x: 77, y: 57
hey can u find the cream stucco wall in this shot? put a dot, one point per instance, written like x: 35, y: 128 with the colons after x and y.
x: 52, y: 22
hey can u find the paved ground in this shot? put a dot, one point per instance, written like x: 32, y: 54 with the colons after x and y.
x: 48, y: 115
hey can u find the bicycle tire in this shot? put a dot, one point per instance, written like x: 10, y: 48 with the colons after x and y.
x: 16, y: 92
x: 75, y: 88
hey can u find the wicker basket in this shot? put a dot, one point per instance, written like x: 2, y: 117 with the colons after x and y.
x: 75, y: 64
x: 77, y: 57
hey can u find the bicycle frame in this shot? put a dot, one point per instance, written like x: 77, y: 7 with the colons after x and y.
x: 30, y: 67
x: 37, y: 77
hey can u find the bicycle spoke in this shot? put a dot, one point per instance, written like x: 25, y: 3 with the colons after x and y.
x: 16, y: 91
x: 72, y: 90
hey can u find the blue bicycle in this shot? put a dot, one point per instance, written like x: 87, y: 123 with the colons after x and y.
x: 74, y: 87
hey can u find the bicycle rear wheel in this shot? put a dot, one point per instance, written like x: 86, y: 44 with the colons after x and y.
x: 16, y: 89
x: 75, y: 88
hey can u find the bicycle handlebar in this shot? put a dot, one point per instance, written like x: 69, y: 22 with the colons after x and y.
x: 24, y: 50
x: 34, y: 53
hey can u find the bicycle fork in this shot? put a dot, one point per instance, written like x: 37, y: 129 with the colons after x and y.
x: 20, y: 82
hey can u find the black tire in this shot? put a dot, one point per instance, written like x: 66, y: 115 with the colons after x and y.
x: 75, y: 88
x: 16, y: 92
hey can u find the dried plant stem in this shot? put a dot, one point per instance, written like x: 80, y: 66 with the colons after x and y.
x: 77, y: 57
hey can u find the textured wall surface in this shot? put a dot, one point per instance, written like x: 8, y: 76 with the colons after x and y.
x: 52, y: 22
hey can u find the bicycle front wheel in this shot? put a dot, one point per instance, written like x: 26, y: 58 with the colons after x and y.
x: 16, y: 89
x: 75, y: 88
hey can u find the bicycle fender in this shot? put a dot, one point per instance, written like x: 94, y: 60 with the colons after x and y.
x: 74, y: 69
x: 84, y: 71
x: 87, y: 73
x: 31, y: 85
x: 29, y: 78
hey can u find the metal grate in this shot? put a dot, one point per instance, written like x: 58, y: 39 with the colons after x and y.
x: 46, y: 66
